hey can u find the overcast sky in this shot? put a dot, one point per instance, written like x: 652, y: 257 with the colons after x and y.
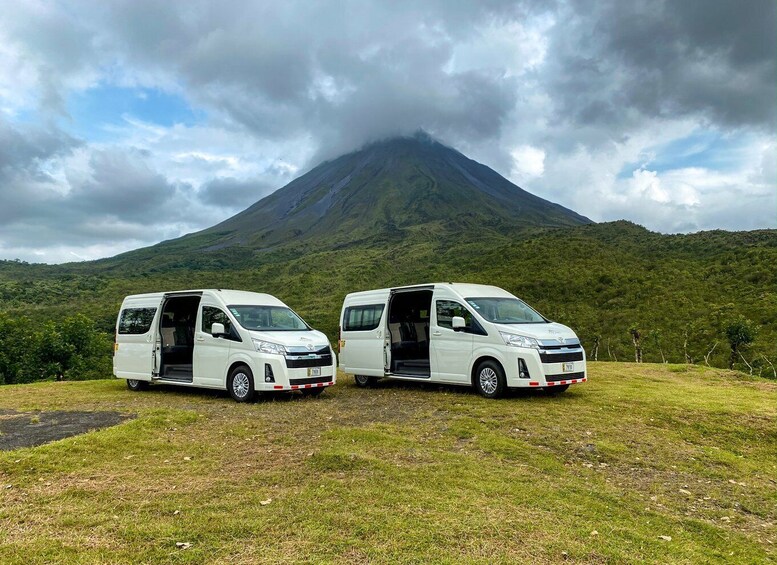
x: 124, y: 123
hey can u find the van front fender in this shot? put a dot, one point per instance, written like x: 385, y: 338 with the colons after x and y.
x: 485, y: 352
x: 240, y: 358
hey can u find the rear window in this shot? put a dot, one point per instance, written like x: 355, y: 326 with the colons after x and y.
x: 136, y: 320
x: 362, y: 318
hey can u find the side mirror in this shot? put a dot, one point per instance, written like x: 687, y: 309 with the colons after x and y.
x: 458, y: 323
x: 217, y: 330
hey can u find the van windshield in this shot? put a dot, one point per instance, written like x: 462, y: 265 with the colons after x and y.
x: 506, y: 311
x: 268, y: 318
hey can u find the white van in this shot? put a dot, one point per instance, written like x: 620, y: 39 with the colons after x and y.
x: 244, y: 342
x: 453, y: 333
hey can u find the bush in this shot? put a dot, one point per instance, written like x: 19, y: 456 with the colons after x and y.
x: 70, y: 349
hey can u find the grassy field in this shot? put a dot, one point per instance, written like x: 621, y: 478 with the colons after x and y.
x: 404, y: 473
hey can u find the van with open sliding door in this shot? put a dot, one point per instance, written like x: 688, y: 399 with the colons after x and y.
x: 244, y: 342
x: 464, y: 334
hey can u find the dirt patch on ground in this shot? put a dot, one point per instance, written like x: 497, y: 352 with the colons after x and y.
x: 28, y: 429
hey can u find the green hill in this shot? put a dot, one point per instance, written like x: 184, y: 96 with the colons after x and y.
x: 411, y: 210
x: 642, y: 464
x: 600, y: 279
x: 379, y: 192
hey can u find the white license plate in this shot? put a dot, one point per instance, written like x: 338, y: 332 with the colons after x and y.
x: 568, y: 367
x: 314, y: 371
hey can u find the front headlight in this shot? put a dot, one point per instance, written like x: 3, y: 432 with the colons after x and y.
x: 269, y: 347
x: 519, y: 340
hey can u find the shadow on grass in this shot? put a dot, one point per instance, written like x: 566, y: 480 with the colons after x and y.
x: 209, y: 393
x: 425, y: 387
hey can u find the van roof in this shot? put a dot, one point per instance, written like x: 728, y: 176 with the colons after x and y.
x: 465, y: 290
x: 230, y: 297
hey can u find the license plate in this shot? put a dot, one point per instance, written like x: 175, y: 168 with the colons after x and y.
x: 568, y: 367
x: 314, y: 371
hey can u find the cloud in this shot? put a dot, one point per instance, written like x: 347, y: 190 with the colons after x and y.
x: 122, y: 185
x: 233, y: 193
x: 528, y: 163
x: 621, y: 61
x: 605, y: 107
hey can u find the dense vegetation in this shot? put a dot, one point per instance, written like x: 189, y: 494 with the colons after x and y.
x: 71, y: 348
x: 685, y: 296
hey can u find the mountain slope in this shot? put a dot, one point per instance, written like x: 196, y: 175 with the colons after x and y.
x: 383, y: 188
x: 600, y: 279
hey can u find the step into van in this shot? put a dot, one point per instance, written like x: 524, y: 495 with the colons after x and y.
x: 465, y: 334
x: 244, y: 342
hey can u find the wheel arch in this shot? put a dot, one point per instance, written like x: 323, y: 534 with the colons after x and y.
x: 233, y: 364
x: 477, y: 363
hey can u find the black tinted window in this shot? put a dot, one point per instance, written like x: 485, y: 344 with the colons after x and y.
x: 212, y: 315
x: 136, y: 320
x: 447, y: 309
x: 362, y: 318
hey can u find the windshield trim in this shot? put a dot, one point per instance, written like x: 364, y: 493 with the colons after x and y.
x: 467, y: 300
x: 230, y: 306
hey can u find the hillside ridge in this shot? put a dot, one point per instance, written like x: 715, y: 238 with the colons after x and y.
x: 385, y: 187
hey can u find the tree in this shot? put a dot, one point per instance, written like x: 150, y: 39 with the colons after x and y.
x: 595, y: 347
x: 656, y: 336
x: 68, y: 349
x: 636, y: 339
x: 17, y: 347
x: 740, y: 332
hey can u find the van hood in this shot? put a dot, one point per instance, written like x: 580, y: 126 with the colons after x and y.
x: 292, y: 339
x: 544, y: 332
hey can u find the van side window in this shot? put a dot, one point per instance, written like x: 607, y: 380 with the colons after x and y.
x: 212, y: 315
x: 362, y: 318
x: 447, y: 309
x: 136, y: 321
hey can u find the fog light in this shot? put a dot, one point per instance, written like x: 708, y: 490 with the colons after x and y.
x: 523, y: 370
x: 268, y: 376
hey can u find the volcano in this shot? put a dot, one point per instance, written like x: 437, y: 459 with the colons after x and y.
x: 393, y: 186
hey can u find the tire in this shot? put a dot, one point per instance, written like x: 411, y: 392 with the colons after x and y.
x: 240, y: 384
x: 364, y: 381
x: 312, y: 391
x: 136, y: 385
x: 490, y: 379
x: 557, y: 389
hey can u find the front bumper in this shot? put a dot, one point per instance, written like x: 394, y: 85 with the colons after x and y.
x: 541, y: 372
x: 279, y: 373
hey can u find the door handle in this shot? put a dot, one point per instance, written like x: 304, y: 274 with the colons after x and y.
x: 200, y: 338
x: 377, y: 334
x: 436, y: 333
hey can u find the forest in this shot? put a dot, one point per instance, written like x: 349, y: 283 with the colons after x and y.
x: 708, y: 298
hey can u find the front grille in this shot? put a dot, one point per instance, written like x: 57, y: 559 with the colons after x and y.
x: 302, y: 351
x: 311, y: 361
x: 568, y: 343
x: 565, y: 377
x: 310, y: 380
x: 561, y: 357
